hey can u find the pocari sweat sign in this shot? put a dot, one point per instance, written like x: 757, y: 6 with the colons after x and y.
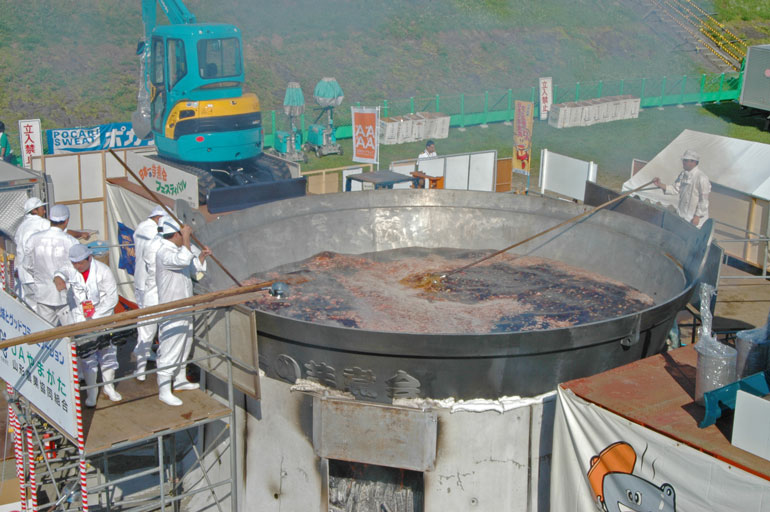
x: 93, y: 138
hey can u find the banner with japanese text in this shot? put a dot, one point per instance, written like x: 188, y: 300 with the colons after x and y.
x: 42, y: 373
x: 30, y: 140
x: 366, y: 140
x: 602, y: 461
x: 546, y: 96
x: 93, y: 138
x: 164, y: 179
x: 522, y: 136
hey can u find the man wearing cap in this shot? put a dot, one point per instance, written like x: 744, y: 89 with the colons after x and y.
x: 145, y: 290
x: 175, y: 264
x: 46, y: 252
x: 91, y: 292
x: 33, y: 222
x: 693, y: 187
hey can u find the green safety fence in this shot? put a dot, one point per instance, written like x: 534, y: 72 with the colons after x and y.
x: 496, y: 106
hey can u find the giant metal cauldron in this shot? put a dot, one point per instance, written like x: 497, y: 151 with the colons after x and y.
x: 663, y: 262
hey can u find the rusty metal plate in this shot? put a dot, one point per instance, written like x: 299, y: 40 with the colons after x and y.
x: 374, y: 434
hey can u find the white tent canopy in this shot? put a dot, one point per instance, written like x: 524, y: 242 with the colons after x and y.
x: 736, y: 164
x: 739, y: 171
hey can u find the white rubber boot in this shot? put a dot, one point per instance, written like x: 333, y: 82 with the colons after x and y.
x: 109, y: 389
x: 91, y: 394
x: 141, y: 366
x: 181, y: 383
x: 164, y: 391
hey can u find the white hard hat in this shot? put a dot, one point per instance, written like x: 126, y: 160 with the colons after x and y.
x: 59, y: 213
x: 691, y: 155
x: 79, y: 252
x: 32, y: 203
x: 158, y: 211
x: 169, y: 226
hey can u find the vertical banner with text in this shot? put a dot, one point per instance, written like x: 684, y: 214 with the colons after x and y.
x: 522, y: 136
x: 546, y: 96
x: 42, y: 373
x: 366, y: 140
x: 31, y: 140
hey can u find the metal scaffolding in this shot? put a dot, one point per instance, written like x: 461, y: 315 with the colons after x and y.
x: 134, y: 469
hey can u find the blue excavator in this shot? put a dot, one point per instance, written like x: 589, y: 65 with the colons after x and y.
x: 191, y: 101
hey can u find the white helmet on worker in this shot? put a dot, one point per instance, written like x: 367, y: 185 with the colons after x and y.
x: 158, y: 211
x: 169, y: 226
x: 33, y: 203
x: 691, y: 155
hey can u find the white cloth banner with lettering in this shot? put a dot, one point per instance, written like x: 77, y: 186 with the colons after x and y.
x: 42, y: 373
x: 602, y: 458
x: 546, y: 96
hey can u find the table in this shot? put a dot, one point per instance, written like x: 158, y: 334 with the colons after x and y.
x: 380, y: 179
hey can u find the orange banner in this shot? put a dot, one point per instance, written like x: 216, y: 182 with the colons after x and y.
x: 365, y: 136
x: 522, y: 136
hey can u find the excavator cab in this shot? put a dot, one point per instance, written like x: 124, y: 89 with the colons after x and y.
x: 198, y: 110
x: 191, y: 101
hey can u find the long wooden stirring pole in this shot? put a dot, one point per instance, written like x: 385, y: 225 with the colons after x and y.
x: 219, y: 298
x: 541, y: 233
x: 170, y: 213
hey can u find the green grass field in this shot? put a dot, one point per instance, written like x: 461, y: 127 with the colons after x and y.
x: 72, y: 62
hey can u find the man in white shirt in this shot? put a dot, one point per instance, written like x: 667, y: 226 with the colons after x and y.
x: 175, y: 264
x: 34, y: 221
x: 693, y: 187
x: 91, y: 293
x: 46, y: 252
x: 430, y: 150
x: 145, y: 289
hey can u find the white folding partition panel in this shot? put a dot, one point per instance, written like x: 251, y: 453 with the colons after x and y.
x: 464, y: 171
x: 457, y: 172
x: 79, y: 181
x: 565, y: 175
x: 432, y: 167
x: 482, y: 171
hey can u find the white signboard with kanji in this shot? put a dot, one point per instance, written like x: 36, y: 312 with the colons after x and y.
x: 546, y: 96
x: 42, y: 373
x: 164, y: 179
x: 31, y: 140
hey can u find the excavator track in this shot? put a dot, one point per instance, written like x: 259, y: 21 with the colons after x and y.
x: 236, y: 185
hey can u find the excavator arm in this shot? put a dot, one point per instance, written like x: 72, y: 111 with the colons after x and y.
x: 175, y: 10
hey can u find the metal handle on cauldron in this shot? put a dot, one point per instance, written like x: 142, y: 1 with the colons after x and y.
x: 573, y: 219
x: 171, y: 214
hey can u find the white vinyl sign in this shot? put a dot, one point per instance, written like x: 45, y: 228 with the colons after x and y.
x: 42, y: 373
x: 164, y: 179
x: 30, y: 140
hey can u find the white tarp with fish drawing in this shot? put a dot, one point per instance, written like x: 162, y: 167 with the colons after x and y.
x: 602, y: 458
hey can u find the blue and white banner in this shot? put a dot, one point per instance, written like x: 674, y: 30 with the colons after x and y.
x: 93, y: 138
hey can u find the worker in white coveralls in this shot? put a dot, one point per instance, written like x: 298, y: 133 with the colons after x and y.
x: 91, y: 293
x: 175, y: 264
x: 46, y: 252
x: 33, y: 222
x: 693, y: 187
x: 145, y: 289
